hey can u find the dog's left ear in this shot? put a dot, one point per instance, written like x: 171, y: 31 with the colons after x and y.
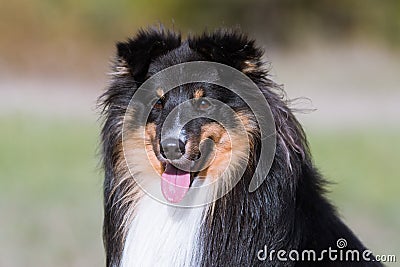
x: 135, y: 55
x: 231, y: 48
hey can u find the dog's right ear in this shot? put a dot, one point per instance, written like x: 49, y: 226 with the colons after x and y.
x: 232, y: 48
x: 134, y: 56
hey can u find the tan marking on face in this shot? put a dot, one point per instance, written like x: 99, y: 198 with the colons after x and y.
x: 160, y: 92
x: 212, y: 130
x: 198, y: 93
x: 221, y: 159
x: 250, y: 66
x: 249, y: 122
x: 139, y: 150
x: 226, y: 158
x: 223, y: 149
x: 150, y: 136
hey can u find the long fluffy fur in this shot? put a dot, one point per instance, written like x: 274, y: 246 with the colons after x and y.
x: 289, y: 210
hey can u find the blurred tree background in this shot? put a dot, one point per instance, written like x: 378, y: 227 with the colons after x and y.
x: 54, y: 55
x: 70, y: 29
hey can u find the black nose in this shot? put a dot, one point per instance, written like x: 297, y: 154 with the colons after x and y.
x: 172, y: 148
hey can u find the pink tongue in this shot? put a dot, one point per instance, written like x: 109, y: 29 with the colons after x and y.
x: 174, y: 183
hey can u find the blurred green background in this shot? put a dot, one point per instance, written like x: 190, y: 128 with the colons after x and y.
x: 342, y: 56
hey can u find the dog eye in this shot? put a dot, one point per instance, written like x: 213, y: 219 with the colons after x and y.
x: 159, y: 104
x: 204, y: 104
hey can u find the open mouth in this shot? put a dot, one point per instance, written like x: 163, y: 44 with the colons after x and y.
x: 180, y: 172
x: 175, y: 183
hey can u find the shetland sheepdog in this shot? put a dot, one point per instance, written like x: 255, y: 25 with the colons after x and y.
x: 286, y: 217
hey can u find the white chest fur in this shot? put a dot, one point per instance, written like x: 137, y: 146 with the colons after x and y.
x: 162, y: 235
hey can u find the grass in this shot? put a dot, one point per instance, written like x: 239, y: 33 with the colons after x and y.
x: 50, y: 189
x: 50, y: 193
x: 363, y: 166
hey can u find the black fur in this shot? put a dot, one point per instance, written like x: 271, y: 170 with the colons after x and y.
x: 288, y: 211
x: 136, y: 53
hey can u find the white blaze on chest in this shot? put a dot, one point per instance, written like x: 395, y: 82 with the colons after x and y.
x: 162, y: 235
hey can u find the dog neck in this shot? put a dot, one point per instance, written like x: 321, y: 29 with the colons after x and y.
x: 163, y: 235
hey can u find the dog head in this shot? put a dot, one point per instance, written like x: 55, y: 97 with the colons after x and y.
x: 180, y: 147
